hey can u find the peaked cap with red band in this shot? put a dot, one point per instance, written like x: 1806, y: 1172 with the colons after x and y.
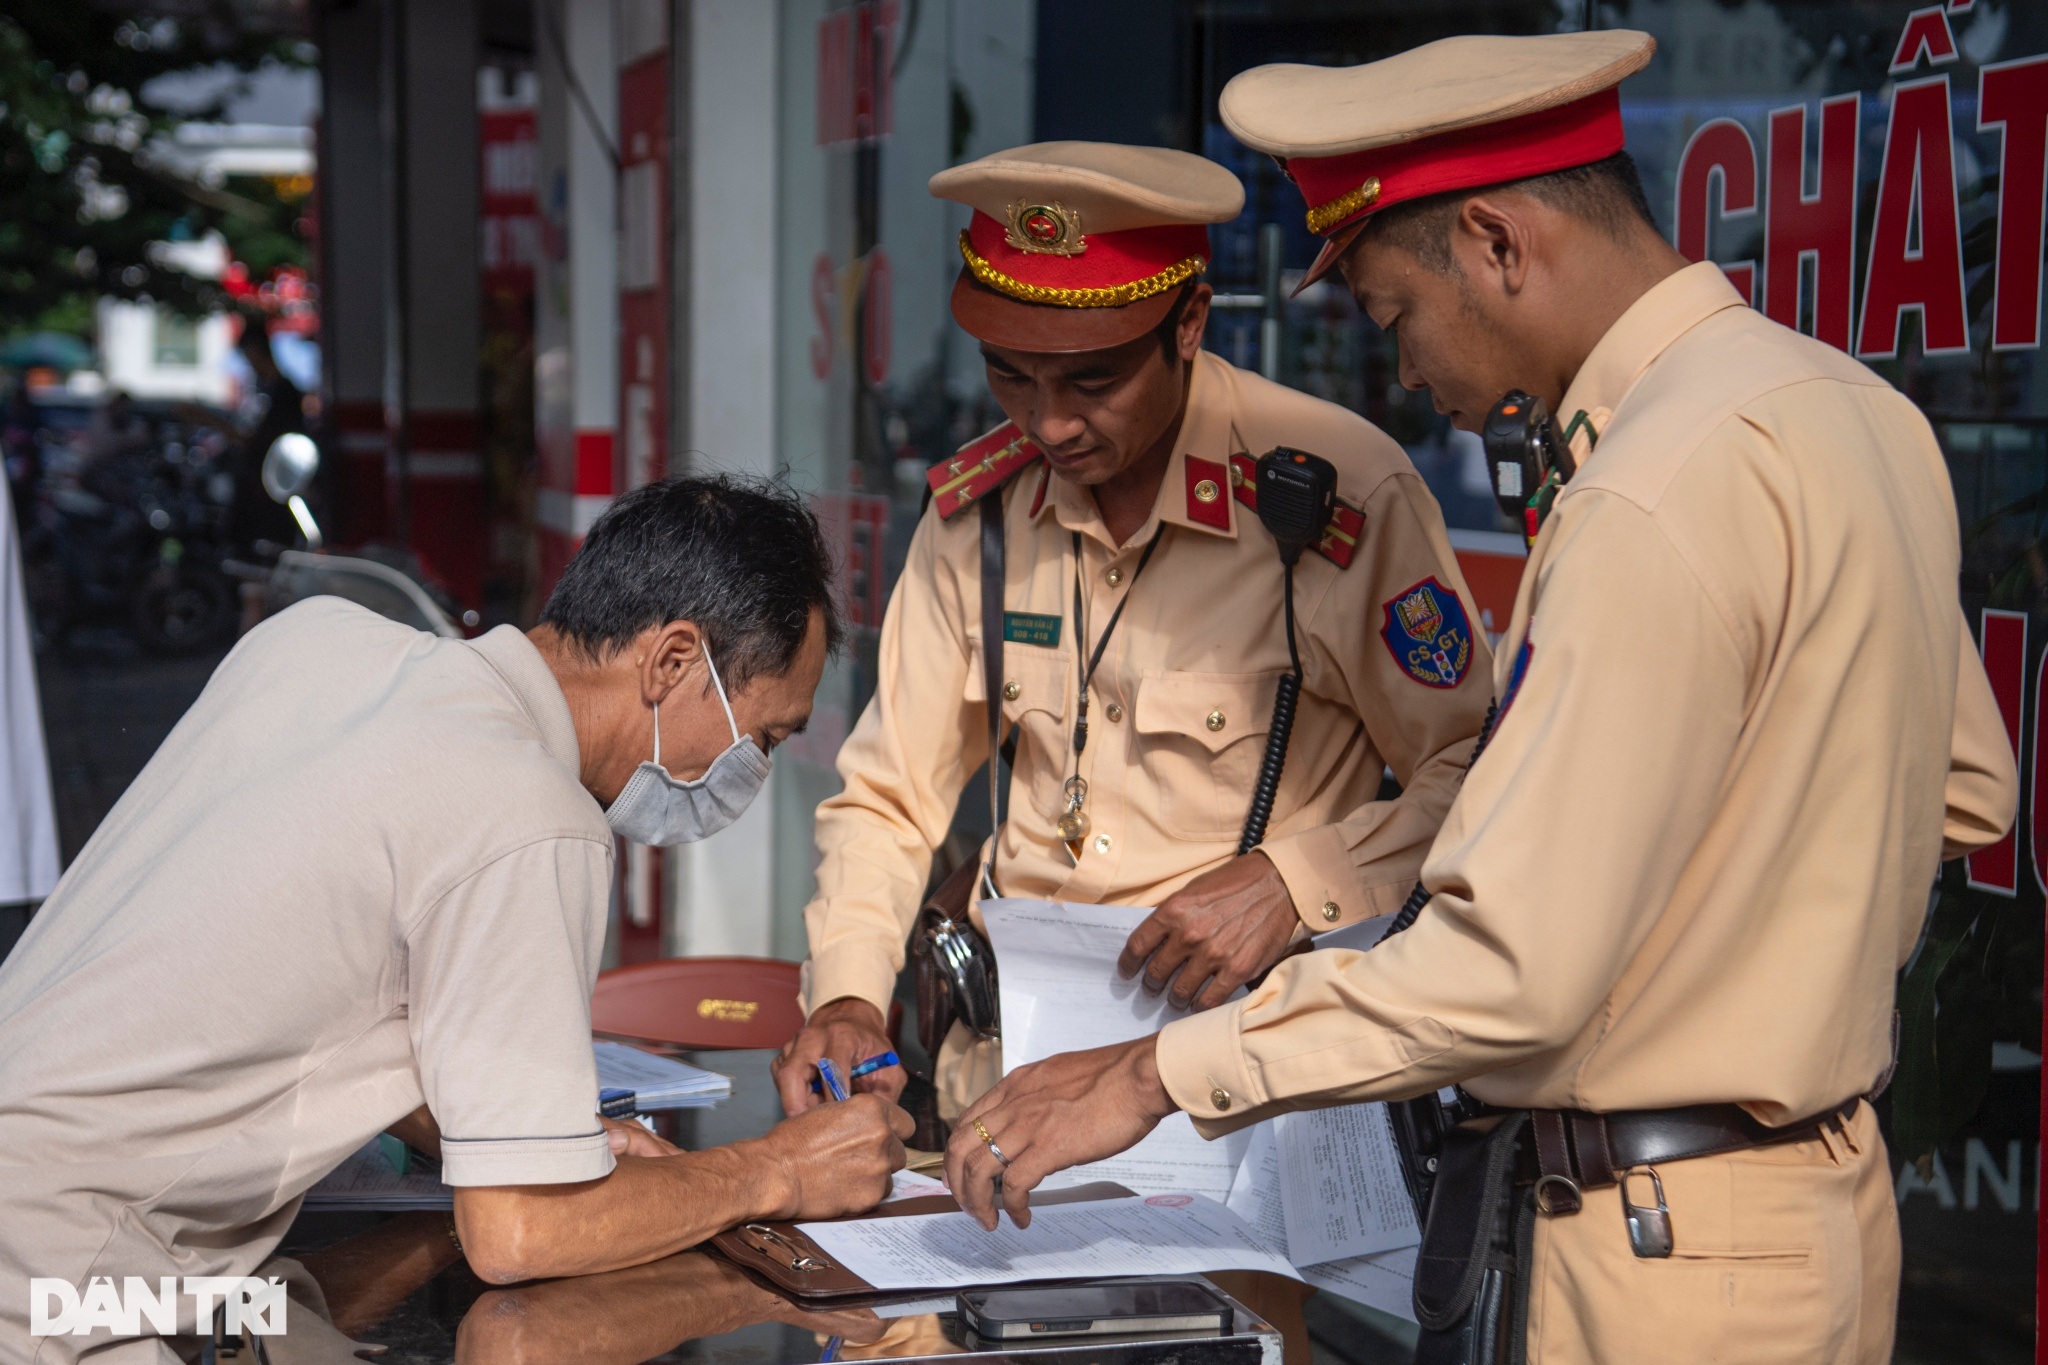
x: 1456, y: 114
x: 1076, y: 246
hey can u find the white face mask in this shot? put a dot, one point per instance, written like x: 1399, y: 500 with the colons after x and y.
x: 654, y: 808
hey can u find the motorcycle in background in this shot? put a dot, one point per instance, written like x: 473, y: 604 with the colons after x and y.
x: 137, y: 539
x: 391, y: 583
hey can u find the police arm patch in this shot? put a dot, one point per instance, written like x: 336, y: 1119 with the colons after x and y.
x: 1428, y: 634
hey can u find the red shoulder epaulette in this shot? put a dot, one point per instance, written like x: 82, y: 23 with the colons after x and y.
x: 981, y: 467
x: 1340, y: 538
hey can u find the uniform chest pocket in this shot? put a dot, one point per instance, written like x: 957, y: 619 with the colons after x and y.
x: 1035, y: 684
x: 1201, y: 737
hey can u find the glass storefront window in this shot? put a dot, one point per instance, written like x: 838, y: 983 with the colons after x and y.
x: 874, y: 384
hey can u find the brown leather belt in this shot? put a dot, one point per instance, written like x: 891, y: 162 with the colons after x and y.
x: 1573, y: 1150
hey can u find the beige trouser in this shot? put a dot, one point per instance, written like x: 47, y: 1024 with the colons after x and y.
x: 1784, y: 1253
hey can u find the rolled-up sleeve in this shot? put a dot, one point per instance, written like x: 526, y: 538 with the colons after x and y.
x: 500, y: 974
x: 903, y: 768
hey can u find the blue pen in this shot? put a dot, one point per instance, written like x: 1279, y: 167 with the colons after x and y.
x: 829, y: 1074
x: 868, y: 1067
x: 831, y: 1350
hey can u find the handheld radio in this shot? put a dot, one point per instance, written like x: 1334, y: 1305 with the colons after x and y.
x: 1528, y: 457
x: 1297, y: 495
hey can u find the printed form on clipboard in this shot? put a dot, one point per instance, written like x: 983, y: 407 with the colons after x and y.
x: 1323, y: 1187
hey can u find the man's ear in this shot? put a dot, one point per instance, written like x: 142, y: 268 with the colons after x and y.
x: 1194, y: 321
x: 666, y: 655
x: 1491, y: 240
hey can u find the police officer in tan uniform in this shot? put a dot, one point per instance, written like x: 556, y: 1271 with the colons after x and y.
x: 1133, y: 555
x: 1741, y: 722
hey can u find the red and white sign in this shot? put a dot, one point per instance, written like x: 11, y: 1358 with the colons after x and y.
x: 1915, y: 263
x: 508, y: 143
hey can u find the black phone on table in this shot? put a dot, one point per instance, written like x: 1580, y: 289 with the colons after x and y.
x: 1080, y: 1310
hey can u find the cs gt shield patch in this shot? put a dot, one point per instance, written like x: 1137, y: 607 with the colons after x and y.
x: 1429, y: 634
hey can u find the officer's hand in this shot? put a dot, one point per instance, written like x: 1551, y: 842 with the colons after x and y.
x: 847, y: 1030
x: 1218, y: 932
x: 832, y: 1160
x: 1049, y: 1116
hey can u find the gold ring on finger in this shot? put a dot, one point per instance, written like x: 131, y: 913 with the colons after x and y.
x: 981, y: 1131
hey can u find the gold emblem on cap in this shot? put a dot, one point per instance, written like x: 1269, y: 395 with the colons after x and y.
x: 1326, y: 216
x: 1045, y: 229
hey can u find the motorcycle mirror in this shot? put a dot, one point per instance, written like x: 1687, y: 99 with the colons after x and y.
x: 289, y: 466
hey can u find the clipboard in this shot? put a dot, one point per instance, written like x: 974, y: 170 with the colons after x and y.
x: 780, y: 1253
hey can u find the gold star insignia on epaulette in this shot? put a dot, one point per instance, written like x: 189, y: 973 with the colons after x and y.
x: 980, y: 467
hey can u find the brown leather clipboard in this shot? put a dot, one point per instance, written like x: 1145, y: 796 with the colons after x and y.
x: 781, y: 1254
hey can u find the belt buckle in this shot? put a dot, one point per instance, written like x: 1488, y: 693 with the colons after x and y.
x: 1649, y: 1230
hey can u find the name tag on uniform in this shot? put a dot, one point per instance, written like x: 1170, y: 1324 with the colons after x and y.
x: 1029, y: 628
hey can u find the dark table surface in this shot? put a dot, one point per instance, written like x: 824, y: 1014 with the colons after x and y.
x: 395, y: 1280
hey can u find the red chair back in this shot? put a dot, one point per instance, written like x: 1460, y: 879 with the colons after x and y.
x: 700, y: 1002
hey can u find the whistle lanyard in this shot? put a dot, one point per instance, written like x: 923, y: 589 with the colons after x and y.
x: 1073, y: 826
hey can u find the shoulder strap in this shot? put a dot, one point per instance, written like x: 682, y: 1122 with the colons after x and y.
x: 992, y: 657
x: 980, y: 468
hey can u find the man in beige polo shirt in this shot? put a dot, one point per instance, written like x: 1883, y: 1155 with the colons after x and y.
x: 364, y: 884
x: 1144, y: 630
x: 1742, y: 721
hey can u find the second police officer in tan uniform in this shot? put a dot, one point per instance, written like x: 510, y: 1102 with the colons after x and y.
x: 1129, y: 535
x: 1741, y: 722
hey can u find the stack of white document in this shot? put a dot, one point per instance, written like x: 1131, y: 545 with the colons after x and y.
x: 1359, y: 1250
x: 657, y: 1082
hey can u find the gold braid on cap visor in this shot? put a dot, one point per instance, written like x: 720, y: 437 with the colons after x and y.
x: 1114, y: 296
x: 1326, y: 216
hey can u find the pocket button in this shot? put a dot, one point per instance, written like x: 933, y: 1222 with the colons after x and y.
x: 1216, y: 721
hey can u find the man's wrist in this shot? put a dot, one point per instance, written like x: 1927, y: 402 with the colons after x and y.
x: 1146, y: 1080
x: 851, y: 1009
x: 762, y: 1185
x: 853, y: 971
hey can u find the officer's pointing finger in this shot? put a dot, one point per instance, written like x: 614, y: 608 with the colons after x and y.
x: 1020, y: 1177
x: 1190, y: 984
x: 1215, y: 993
x: 1143, y: 940
x: 961, y: 1177
x: 1159, y: 972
